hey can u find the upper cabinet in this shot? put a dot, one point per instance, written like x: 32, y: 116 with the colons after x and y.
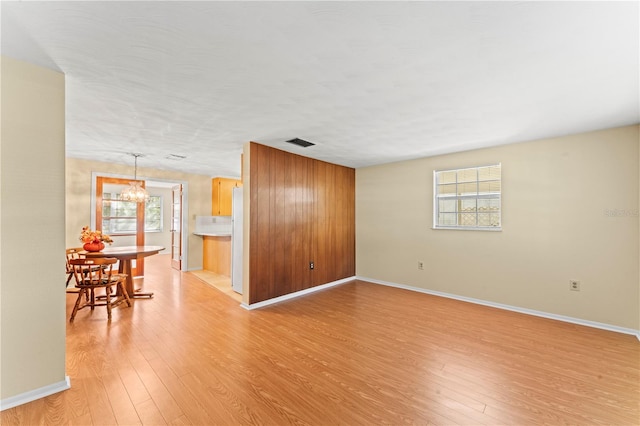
x: 222, y: 190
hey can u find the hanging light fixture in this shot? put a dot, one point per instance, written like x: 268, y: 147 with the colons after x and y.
x: 135, y: 191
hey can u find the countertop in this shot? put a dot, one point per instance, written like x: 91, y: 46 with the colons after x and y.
x: 213, y: 234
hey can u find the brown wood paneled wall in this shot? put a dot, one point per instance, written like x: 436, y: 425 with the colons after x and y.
x: 301, y: 211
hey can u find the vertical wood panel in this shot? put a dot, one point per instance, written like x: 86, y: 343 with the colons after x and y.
x: 333, y: 263
x: 318, y: 223
x: 254, y: 172
x: 266, y: 210
x: 299, y: 238
x: 304, y: 203
x: 340, y: 249
x: 256, y: 167
x: 260, y: 270
x: 301, y: 211
x: 350, y: 240
x: 279, y: 226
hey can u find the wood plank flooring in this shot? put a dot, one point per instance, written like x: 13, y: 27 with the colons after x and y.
x: 221, y: 282
x: 356, y: 354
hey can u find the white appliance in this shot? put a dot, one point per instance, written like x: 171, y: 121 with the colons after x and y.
x: 236, y: 240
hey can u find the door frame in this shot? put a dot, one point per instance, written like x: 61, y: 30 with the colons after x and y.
x: 97, y: 208
x: 185, y: 205
x: 176, y: 264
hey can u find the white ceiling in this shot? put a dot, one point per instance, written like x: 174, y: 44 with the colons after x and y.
x: 368, y: 82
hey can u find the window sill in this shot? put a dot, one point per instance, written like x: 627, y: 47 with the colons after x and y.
x: 460, y: 228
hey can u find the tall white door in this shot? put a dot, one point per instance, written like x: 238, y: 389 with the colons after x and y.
x: 176, y: 227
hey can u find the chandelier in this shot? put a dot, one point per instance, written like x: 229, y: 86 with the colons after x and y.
x: 135, y: 191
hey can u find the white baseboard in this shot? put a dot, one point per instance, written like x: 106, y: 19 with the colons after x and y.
x: 32, y: 395
x: 533, y: 312
x: 296, y: 294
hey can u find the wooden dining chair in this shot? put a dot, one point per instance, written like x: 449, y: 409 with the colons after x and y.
x: 72, y: 253
x: 92, y: 274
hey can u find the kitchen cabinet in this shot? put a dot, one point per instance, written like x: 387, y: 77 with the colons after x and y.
x: 222, y: 190
x: 217, y: 254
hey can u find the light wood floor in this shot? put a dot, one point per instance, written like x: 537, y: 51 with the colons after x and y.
x: 356, y: 354
x: 221, y: 282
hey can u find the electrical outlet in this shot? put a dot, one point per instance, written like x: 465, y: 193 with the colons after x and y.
x: 311, y: 265
x: 574, y: 285
x: 420, y: 265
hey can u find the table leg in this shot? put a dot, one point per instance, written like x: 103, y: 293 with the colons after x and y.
x: 125, y: 268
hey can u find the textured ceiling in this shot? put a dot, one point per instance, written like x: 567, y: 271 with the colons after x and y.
x: 368, y: 82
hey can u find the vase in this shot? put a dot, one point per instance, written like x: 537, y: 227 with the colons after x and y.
x: 93, y: 247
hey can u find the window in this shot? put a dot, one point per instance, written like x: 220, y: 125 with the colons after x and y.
x: 468, y: 198
x: 153, y: 214
x: 119, y: 217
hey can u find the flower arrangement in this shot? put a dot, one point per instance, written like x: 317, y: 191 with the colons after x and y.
x: 89, y: 236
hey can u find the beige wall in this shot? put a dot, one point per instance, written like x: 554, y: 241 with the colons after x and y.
x: 569, y: 211
x: 32, y: 309
x: 78, y: 206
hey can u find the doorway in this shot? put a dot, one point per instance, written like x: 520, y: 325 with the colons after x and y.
x: 176, y: 227
x: 170, y: 216
x: 122, y: 220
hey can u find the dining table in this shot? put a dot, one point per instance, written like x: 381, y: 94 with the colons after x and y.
x: 125, y: 255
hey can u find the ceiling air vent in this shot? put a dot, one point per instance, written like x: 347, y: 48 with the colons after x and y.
x: 300, y: 142
x: 175, y: 157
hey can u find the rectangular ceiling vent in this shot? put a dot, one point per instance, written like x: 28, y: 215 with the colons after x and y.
x: 300, y: 142
x: 175, y: 157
